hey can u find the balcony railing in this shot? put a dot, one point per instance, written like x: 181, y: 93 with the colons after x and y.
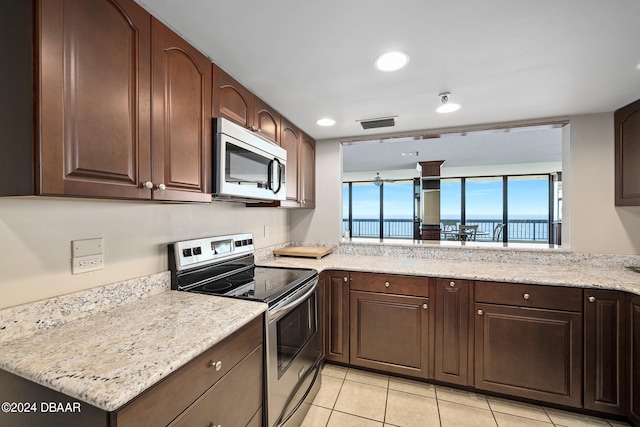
x: 527, y: 230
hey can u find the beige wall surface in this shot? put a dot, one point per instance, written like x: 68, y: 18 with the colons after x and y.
x: 36, y: 235
x: 597, y: 225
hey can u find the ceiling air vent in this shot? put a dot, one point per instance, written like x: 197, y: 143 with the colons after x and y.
x: 378, y: 123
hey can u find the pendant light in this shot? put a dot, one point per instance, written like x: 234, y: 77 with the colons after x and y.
x: 446, y: 107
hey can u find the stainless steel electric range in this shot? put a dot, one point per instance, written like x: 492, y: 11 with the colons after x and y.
x: 224, y: 266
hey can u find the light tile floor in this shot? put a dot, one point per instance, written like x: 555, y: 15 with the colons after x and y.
x: 355, y: 398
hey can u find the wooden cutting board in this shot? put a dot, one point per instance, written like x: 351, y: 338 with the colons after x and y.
x: 304, y: 251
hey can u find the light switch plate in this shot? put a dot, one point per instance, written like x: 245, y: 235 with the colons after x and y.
x: 81, y: 248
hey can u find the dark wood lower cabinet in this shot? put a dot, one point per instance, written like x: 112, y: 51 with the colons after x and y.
x: 529, y: 352
x: 337, y: 316
x: 451, y: 307
x: 634, y: 359
x: 604, y: 351
x: 390, y: 333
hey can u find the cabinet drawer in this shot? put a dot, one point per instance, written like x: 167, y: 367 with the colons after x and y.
x: 233, y: 401
x: 390, y: 284
x: 536, y: 296
x: 165, y: 400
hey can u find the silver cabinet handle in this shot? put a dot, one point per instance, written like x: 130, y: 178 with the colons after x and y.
x: 526, y: 296
x: 592, y: 299
x: 147, y: 185
x: 425, y: 306
x: 216, y: 365
x: 452, y: 284
x: 162, y: 187
x: 480, y: 312
x: 387, y: 284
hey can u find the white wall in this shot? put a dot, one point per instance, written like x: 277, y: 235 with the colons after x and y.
x: 592, y: 223
x: 36, y: 235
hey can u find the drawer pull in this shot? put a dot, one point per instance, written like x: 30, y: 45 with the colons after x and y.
x: 480, y: 312
x: 592, y: 299
x: 345, y: 278
x: 216, y: 365
x: 526, y: 296
x: 387, y: 284
x: 425, y: 306
x: 452, y: 284
x: 215, y: 425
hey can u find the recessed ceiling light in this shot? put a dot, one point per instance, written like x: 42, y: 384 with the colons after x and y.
x: 446, y: 107
x: 326, y: 122
x: 392, y: 61
x: 409, y: 153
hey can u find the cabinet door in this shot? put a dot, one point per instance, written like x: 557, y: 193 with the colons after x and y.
x: 634, y: 359
x: 181, y: 106
x: 337, y: 316
x: 289, y: 137
x: 94, y: 124
x: 451, y: 308
x: 307, y: 177
x: 529, y: 352
x: 390, y: 333
x: 231, y: 100
x: 266, y: 121
x: 232, y: 401
x: 604, y: 351
x: 627, y: 155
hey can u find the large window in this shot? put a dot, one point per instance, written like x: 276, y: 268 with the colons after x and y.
x: 528, y: 208
x: 384, y: 211
x: 521, y: 203
x: 483, y: 204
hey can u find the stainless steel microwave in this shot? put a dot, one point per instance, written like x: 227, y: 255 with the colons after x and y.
x: 247, y: 167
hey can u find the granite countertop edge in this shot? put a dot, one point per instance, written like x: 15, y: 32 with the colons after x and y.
x: 613, y: 278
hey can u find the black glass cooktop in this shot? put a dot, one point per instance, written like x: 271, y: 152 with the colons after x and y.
x: 265, y: 284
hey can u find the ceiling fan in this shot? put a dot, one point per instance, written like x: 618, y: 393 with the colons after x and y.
x: 377, y: 181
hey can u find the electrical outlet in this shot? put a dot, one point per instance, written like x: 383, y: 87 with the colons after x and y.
x: 84, y: 264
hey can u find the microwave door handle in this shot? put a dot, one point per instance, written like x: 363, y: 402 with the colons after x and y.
x: 270, y: 175
x: 279, y: 175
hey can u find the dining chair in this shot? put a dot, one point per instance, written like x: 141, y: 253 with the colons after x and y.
x: 468, y: 232
x: 448, y: 229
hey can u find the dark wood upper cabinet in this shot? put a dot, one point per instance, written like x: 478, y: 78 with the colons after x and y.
x: 289, y: 140
x: 231, y: 100
x: 266, y: 121
x: 307, y: 171
x: 633, y: 355
x: 181, y: 106
x: 627, y: 155
x: 99, y: 128
x: 604, y: 351
x: 452, y: 332
x: 235, y: 102
x: 94, y: 91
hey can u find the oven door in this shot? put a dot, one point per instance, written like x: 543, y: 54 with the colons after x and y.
x: 294, y: 352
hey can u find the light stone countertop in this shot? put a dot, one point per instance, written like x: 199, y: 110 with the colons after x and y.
x: 109, y: 357
x: 562, y: 274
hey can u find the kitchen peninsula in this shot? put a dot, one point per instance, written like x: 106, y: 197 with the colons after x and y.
x: 541, y: 325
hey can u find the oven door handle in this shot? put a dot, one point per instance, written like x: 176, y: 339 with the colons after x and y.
x: 281, y: 311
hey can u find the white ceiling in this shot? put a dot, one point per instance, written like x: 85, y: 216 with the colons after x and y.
x: 502, y: 60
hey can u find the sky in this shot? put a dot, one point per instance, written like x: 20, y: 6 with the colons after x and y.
x: 528, y: 198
